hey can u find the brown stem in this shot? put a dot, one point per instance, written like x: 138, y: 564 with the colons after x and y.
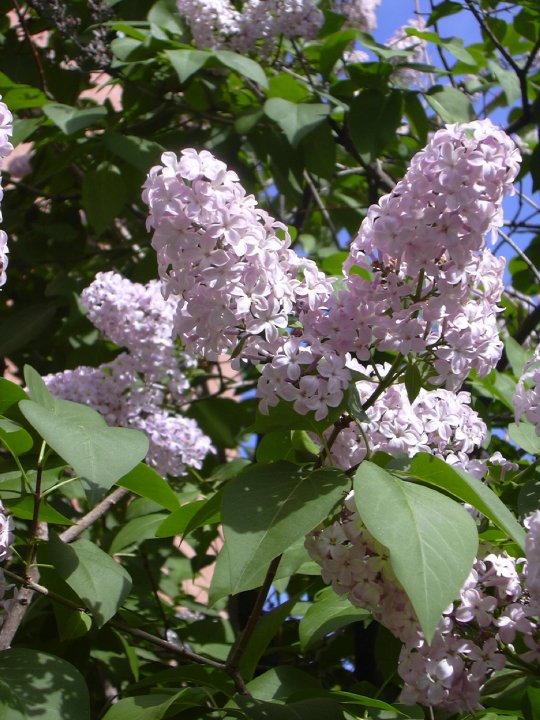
x: 75, y: 531
x: 233, y: 661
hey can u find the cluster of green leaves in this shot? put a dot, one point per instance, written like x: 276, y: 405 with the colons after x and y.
x: 116, y: 628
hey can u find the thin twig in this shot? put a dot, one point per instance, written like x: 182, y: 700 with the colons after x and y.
x: 233, y: 661
x: 508, y: 240
x: 320, y: 204
x: 75, y: 531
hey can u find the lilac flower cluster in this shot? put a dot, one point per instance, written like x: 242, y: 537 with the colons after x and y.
x: 495, y: 612
x: 438, y: 421
x: 418, y: 280
x: 526, y: 399
x: 218, y: 24
x: 6, y: 129
x: 415, y: 46
x: 143, y: 387
x: 223, y: 258
x: 359, y: 13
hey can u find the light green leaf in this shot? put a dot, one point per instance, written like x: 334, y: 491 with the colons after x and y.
x: 467, y: 488
x: 10, y: 394
x: 37, y: 685
x: 508, y: 80
x: 295, y: 119
x: 136, y: 531
x: 37, y: 390
x: 517, y: 356
x: 24, y: 508
x: 243, y: 66
x: 145, y: 481
x: 70, y: 119
x: 264, y: 511
x: 98, y: 453
x: 187, y: 62
x: 432, y: 540
x: 328, y: 613
x: 525, y: 437
x: 14, y: 437
x: 450, y: 104
x: 100, y: 582
x: 191, y: 516
x: 141, y: 707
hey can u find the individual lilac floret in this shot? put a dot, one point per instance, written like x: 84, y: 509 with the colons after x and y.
x: 6, y: 129
x: 527, y: 396
x: 258, y: 24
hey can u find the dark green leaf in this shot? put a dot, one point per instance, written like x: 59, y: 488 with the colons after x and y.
x: 295, y: 119
x: 413, y: 381
x: 243, y: 66
x: 103, y: 196
x: 187, y: 62
x: 135, y: 532
x: 264, y: 510
x: 100, y: 582
x: 328, y: 613
x: 37, y: 685
x: 70, y: 120
x: 373, y: 121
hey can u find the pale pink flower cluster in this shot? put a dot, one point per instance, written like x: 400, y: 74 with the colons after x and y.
x: 527, y: 396
x: 143, y: 387
x: 218, y: 24
x: 415, y: 46
x: 438, y: 421
x: 496, y: 611
x: 418, y: 280
x: 226, y: 260
x: 6, y: 130
x: 359, y: 13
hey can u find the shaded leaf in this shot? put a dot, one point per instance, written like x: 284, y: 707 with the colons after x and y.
x: 295, y: 119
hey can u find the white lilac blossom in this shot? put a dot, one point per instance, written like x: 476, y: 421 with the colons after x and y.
x: 438, y: 421
x: 218, y: 24
x: 143, y: 387
x: 6, y: 534
x: 418, y: 280
x: 6, y: 129
x: 359, y: 13
x: 526, y: 399
x: 496, y: 607
x: 415, y: 47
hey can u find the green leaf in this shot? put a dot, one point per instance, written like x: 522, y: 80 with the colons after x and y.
x: 280, y: 682
x: 37, y: 390
x: 191, y: 516
x: 450, y: 104
x: 135, y: 532
x: 529, y: 497
x: 467, y: 488
x: 141, y: 707
x: 70, y: 119
x: 524, y: 436
x: 415, y: 112
x: 187, y: 62
x: 349, y: 698
x: 243, y: 66
x: 146, y: 482
x: 328, y: 613
x: 103, y: 196
x: 332, y: 49
x: 24, y: 508
x: 517, y: 356
x: 264, y: 510
x: 98, y: 453
x: 373, y: 121
x: 24, y: 325
x: 37, y: 685
x: 10, y: 394
x: 315, y: 709
x: 15, y: 437
x: 100, y: 582
x: 508, y: 80
x: 432, y: 541
x: 165, y: 14
x: 137, y: 151
x: 413, y: 381
x: 295, y: 119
